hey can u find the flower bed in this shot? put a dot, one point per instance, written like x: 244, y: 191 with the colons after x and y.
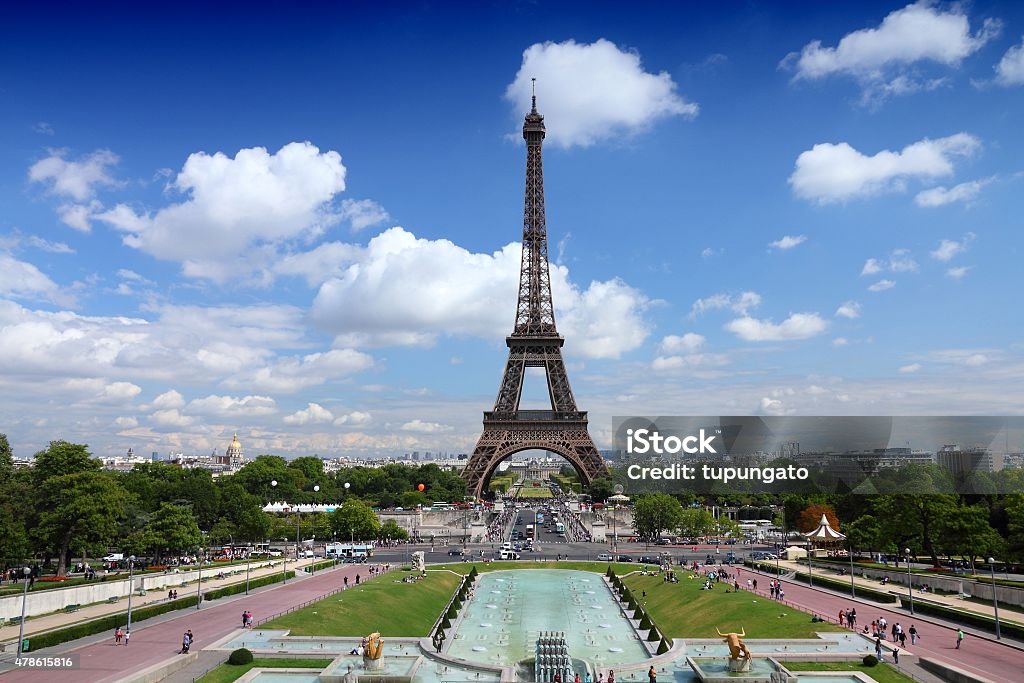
x: 52, y: 578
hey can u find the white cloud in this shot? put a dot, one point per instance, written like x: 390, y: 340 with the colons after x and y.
x: 237, y: 208
x: 354, y: 419
x: 232, y: 406
x: 881, y: 286
x: 774, y: 406
x: 687, y: 343
x: 172, y: 419
x: 425, y: 427
x: 43, y: 128
x: 75, y: 179
x: 169, y: 399
x: 947, y: 249
x: 796, y: 326
x: 883, y: 59
x: 871, y: 267
x: 400, y: 290
x: 739, y: 303
x: 940, y: 196
x: 959, y: 272
x: 593, y: 92
x: 363, y: 213
x: 838, y: 172
x: 1010, y: 69
x: 788, y: 242
x: 707, y: 252
x: 48, y: 246
x: 79, y: 216
x: 314, y: 413
x: 291, y: 374
x: 118, y: 392
x: 850, y: 309
x: 21, y: 279
x: 840, y: 341
x: 689, y: 360
x: 126, y: 422
x: 912, y: 368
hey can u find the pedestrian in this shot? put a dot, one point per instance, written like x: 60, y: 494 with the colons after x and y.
x: 878, y: 648
x: 118, y: 634
x: 896, y: 656
x: 127, y: 635
x: 184, y: 644
x: 652, y: 675
x: 903, y: 638
x: 842, y: 618
x: 611, y: 675
x: 959, y: 637
x: 586, y: 678
x: 244, y: 624
x: 576, y: 679
x: 913, y: 635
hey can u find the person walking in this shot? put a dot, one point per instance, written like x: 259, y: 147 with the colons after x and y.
x: 127, y: 635
x: 913, y: 635
x: 842, y: 618
x: 118, y: 634
x: 896, y: 656
x: 959, y: 637
x: 652, y: 675
x: 878, y: 648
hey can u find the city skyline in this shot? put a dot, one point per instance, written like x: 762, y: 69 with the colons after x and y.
x: 306, y: 230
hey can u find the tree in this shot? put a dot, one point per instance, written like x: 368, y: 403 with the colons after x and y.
x: 600, y: 489
x: 390, y: 531
x: 224, y: 531
x: 355, y: 519
x: 253, y: 524
x: 655, y: 513
x: 864, y: 533
x: 810, y: 517
x: 6, y: 456
x: 694, y: 522
x: 174, y: 528
x: 966, y: 532
x: 13, y: 540
x: 82, y: 510
x: 62, y: 458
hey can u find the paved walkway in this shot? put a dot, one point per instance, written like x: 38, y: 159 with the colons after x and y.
x: 159, y: 639
x: 1007, y: 612
x: 979, y: 654
x: 49, y: 622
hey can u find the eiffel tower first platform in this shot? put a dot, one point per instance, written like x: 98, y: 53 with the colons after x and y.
x: 534, y: 343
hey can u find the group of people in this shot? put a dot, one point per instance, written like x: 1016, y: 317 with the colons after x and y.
x: 121, y: 635
x: 848, y: 617
x: 246, y: 619
x: 775, y: 590
x: 172, y: 595
x: 186, y: 642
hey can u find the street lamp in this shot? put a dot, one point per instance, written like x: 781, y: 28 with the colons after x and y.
x: 910, y: 581
x: 853, y: 589
x: 312, y: 566
x: 24, y: 598
x: 131, y: 567
x: 284, y: 568
x: 199, y: 583
x: 995, y: 600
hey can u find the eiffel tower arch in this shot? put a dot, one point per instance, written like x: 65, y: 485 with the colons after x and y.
x: 535, y: 343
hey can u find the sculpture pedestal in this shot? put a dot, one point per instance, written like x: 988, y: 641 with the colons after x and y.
x: 739, y: 666
x: 373, y: 664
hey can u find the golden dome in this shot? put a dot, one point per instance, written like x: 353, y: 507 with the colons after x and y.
x: 234, y: 443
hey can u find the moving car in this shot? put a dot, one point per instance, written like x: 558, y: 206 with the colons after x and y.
x: 604, y: 557
x: 455, y: 552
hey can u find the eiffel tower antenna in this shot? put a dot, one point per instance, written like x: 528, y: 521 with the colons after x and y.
x: 534, y: 342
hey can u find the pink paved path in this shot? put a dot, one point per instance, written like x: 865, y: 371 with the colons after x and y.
x: 981, y: 656
x: 103, y: 661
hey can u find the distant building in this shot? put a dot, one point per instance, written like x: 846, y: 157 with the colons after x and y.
x: 963, y: 463
x: 234, y: 454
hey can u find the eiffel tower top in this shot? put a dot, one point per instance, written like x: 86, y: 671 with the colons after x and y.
x: 535, y: 312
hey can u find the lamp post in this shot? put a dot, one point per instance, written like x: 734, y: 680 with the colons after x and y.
x: 131, y: 568
x: 24, y: 598
x: 810, y: 567
x: 910, y: 582
x: 284, y: 567
x: 995, y: 600
x: 248, y: 559
x: 853, y: 589
x: 312, y: 567
x: 199, y: 583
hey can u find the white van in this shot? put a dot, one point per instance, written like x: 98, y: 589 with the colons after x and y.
x: 506, y: 546
x: 509, y: 554
x: 114, y: 557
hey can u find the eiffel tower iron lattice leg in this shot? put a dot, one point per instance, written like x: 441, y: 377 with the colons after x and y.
x: 534, y: 342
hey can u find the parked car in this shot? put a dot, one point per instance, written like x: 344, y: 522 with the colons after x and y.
x: 455, y: 552
x: 624, y: 558
x: 604, y: 557
x: 649, y: 559
x: 663, y: 541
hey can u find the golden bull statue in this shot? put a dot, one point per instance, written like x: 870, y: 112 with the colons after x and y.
x: 374, y: 648
x: 737, y: 648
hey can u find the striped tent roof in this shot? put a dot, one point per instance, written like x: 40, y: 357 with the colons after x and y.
x: 824, y: 533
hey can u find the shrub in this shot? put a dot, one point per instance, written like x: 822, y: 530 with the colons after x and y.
x: 638, y: 614
x: 446, y: 622
x: 240, y: 656
x: 645, y: 623
x: 870, y: 660
x: 653, y: 636
x: 452, y: 612
x: 663, y: 647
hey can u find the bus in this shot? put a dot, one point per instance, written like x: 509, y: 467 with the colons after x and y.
x: 529, y: 532
x: 540, y: 518
x: 559, y: 528
x: 441, y: 505
x: 349, y: 550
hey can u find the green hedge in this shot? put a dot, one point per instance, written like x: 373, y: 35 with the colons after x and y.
x: 967, y: 618
x: 106, y: 623
x: 322, y: 564
x: 237, y: 588
x: 766, y: 567
x: 844, y: 586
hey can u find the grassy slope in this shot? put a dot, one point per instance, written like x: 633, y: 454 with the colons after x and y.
x: 883, y: 673
x: 382, y: 604
x: 225, y: 673
x: 683, y: 610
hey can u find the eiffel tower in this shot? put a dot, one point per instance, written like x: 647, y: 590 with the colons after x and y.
x: 534, y: 343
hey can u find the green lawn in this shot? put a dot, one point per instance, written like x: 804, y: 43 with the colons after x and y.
x: 534, y: 492
x: 225, y: 673
x: 381, y: 604
x: 683, y: 610
x: 883, y: 673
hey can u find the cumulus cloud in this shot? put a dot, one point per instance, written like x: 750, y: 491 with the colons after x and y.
x: 425, y: 427
x: 899, y: 261
x: 232, y: 406
x: 837, y: 172
x: 237, y: 206
x: 909, y: 369
x: 686, y: 343
x: 314, y: 413
x: 291, y: 374
x: 940, y: 196
x: 126, y: 422
x: 881, y: 286
x: 796, y: 326
x: 79, y: 216
x: 590, y: 92
x: 689, y: 360
x: 170, y: 419
x: 400, y: 290
x: 738, y: 303
x: 883, y: 59
x: 169, y: 399
x: 354, y: 419
x: 48, y: 246
x: 958, y: 272
x: 22, y: 280
x: 76, y: 179
x: 363, y: 213
x: 850, y: 309
x: 871, y: 267
x: 947, y: 249
x: 1010, y: 69
x: 787, y: 242
x: 840, y: 341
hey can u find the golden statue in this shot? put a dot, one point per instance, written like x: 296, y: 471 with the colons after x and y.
x: 374, y: 647
x: 737, y: 648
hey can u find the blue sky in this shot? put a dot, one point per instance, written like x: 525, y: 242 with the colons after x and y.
x: 303, y: 226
